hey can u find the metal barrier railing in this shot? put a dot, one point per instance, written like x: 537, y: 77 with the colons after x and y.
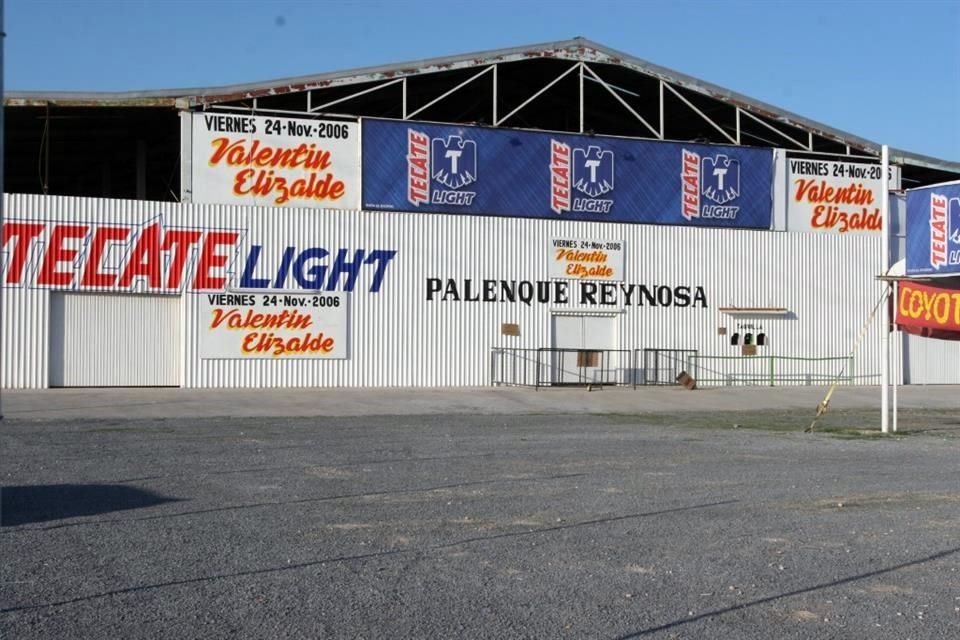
x: 769, y: 370
x: 659, y: 366
x: 547, y: 366
x: 544, y: 367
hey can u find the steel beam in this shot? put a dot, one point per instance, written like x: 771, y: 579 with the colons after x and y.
x: 701, y: 114
x: 356, y: 95
x: 539, y: 93
x: 407, y: 116
x: 612, y: 92
x: 781, y: 133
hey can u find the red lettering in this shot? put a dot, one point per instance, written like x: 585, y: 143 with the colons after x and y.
x: 180, y: 241
x: 57, y: 253
x: 336, y: 190
x: 239, y: 183
x: 690, y: 184
x: 417, y: 173
x: 210, y: 259
x: 222, y: 146
x: 144, y: 259
x: 236, y: 154
x: 25, y: 233
x: 92, y: 276
x: 418, y: 167
x: 815, y: 193
x: 419, y: 139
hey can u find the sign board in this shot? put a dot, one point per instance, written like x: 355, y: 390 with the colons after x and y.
x: 933, y: 230
x: 510, y: 329
x: 924, y: 307
x: 242, y: 326
x: 484, y: 171
x: 275, y: 162
x: 832, y: 196
x: 578, y: 259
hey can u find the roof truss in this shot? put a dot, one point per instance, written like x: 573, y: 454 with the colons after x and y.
x: 574, y: 85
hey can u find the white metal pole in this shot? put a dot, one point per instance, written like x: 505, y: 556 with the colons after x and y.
x: 898, y: 350
x: 494, y: 123
x: 885, y: 267
x: 581, y: 97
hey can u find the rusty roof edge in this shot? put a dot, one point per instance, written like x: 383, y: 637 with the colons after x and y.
x: 85, y: 99
x: 567, y: 49
x: 575, y: 48
x: 770, y: 111
x: 399, y: 69
x: 749, y: 103
x: 920, y: 160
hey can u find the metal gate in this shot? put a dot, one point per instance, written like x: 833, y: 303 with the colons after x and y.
x: 661, y: 366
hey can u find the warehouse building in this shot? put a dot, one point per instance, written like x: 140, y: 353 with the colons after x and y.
x: 554, y: 214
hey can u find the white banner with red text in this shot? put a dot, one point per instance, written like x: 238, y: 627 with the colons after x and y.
x: 835, y: 196
x: 275, y: 162
x: 245, y: 325
x: 579, y: 259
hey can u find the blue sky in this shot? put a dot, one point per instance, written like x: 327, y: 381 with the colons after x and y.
x: 888, y: 71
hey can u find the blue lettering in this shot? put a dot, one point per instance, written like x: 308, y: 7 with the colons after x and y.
x: 247, y: 281
x: 311, y: 277
x: 341, y: 265
x: 313, y: 270
x: 382, y: 258
x: 284, y: 269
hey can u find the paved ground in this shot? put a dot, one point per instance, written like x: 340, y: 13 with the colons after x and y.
x: 192, y: 403
x: 479, y: 514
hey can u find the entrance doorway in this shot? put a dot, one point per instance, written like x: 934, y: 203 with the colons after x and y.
x: 585, y: 350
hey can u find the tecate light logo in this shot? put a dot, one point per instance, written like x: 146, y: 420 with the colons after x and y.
x: 435, y: 163
x: 944, y: 231
x: 589, y: 171
x: 158, y: 258
x: 713, y: 179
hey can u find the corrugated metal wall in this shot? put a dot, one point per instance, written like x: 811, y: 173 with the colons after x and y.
x: 398, y: 338
x: 931, y: 361
x: 25, y: 330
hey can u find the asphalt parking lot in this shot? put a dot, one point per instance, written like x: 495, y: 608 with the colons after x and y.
x: 453, y: 522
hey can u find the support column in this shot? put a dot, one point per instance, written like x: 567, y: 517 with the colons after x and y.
x: 885, y: 267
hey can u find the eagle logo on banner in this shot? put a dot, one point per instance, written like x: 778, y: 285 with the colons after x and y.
x: 593, y: 171
x: 454, y: 161
x: 720, y: 179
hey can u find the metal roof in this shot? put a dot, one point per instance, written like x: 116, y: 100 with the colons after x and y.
x: 576, y: 49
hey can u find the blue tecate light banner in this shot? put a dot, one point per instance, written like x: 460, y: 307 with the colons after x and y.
x: 933, y: 230
x: 412, y: 166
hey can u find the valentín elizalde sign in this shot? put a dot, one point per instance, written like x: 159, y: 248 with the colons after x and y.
x: 273, y: 325
x: 275, y: 162
x: 835, y: 196
x: 580, y: 259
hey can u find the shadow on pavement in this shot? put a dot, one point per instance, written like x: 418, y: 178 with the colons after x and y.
x: 46, y: 502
